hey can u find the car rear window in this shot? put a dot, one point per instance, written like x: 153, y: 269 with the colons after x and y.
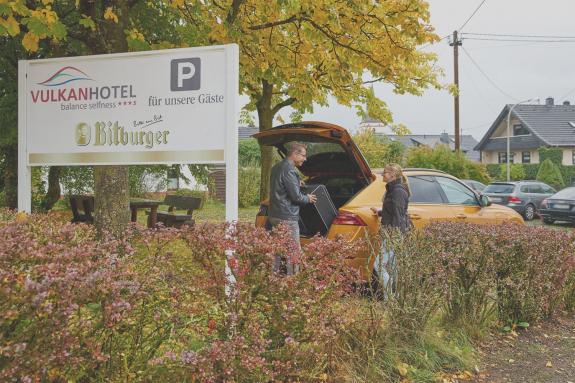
x: 499, y: 188
x: 424, y: 189
x: 568, y: 193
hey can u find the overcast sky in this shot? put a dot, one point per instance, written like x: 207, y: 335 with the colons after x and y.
x: 522, y: 70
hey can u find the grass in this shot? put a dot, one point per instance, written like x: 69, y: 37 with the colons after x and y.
x: 212, y: 211
x: 559, y: 225
x: 370, y: 352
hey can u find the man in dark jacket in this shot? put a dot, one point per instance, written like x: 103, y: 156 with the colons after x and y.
x: 286, y: 198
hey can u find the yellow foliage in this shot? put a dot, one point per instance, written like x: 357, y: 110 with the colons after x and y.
x: 134, y: 34
x: 30, y: 42
x: 11, y: 25
x: 110, y: 15
x: 177, y: 3
x: 21, y: 216
x: 402, y: 368
x: 309, y: 49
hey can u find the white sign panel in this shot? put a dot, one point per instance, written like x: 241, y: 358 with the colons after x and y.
x: 169, y: 106
x: 155, y: 107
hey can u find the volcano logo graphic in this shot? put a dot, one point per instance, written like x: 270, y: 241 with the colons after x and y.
x: 66, y: 75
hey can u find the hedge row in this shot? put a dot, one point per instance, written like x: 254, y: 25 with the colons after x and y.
x: 153, y: 306
x: 475, y: 274
x: 498, y: 172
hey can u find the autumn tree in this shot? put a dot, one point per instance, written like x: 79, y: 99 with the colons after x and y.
x: 378, y: 151
x: 297, y: 53
x: 67, y: 28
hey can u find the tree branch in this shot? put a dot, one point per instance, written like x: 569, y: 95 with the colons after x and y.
x: 284, y: 103
x: 274, y: 24
x: 234, y: 10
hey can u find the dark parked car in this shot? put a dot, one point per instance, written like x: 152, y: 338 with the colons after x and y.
x: 522, y: 196
x: 559, y: 207
x: 476, y: 186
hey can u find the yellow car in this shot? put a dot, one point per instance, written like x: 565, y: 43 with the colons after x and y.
x: 333, y: 160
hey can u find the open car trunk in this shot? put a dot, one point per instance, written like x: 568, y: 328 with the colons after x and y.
x: 333, y: 160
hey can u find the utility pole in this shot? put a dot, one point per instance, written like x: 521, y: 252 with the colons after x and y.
x: 455, y: 43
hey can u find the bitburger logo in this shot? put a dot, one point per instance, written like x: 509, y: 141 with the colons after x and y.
x: 83, y: 134
x: 113, y: 134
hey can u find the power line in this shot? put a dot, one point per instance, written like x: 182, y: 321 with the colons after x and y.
x: 520, y: 40
x: 567, y: 94
x: 473, y: 14
x: 486, y: 76
x: 517, y: 35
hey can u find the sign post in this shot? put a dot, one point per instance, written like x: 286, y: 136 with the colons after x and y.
x: 154, y: 107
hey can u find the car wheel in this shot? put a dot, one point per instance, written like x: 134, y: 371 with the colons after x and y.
x: 548, y: 221
x: 529, y: 212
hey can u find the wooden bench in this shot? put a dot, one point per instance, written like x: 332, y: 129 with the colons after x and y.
x: 82, y: 208
x: 173, y: 219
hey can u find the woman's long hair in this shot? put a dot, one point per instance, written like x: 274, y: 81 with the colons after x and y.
x: 397, y: 172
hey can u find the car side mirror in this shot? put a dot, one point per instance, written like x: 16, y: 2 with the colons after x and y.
x: 484, y: 200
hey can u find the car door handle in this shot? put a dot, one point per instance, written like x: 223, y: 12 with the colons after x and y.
x: 414, y: 216
x: 461, y: 216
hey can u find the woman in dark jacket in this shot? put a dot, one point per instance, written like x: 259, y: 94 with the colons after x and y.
x: 393, y: 215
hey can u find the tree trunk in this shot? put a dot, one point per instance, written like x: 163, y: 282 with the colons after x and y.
x: 265, y: 122
x: 10, y: 153
x: 111, y: 199
x: 111, y: 183
x: 54, y: 192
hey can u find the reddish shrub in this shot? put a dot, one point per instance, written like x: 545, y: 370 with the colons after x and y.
x: 154, y: 306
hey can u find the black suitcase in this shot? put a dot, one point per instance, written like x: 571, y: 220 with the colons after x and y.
x: 316, y: 218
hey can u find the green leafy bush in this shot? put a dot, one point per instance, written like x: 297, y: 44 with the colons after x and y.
x: 249, y: 152
x: 516, y: 171
x: 249, y: 186
x: 530, y: 171
x: 553, y: 154
x: 442, y: 158
x: 550, y: 173
x: 494, y: 171
x: 378, y: 151
x: 568, y: 173
x: 144, y: 179
x: 77, y: 179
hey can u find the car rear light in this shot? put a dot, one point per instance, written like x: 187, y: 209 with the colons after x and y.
x: 514, y: 199
x: 263, y: 210
x: 348, y: 219
x: 544, y: 204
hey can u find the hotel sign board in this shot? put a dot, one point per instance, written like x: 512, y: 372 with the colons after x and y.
x: 153, y: 107
x: 168, y: 106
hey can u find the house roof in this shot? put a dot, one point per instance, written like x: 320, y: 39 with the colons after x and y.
x: 467, y: 142
x: 370, y: 120
x: 247, y: 131
x: 552, y: 125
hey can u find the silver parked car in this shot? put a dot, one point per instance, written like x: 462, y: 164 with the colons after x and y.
x: 524, y: 197
x: 475, y: 185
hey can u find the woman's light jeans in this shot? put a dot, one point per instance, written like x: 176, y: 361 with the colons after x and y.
x: 385, y: 267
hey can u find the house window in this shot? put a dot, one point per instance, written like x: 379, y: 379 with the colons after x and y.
x: 526, y: 157
x: 503, y: 158
x: 520, y: 130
